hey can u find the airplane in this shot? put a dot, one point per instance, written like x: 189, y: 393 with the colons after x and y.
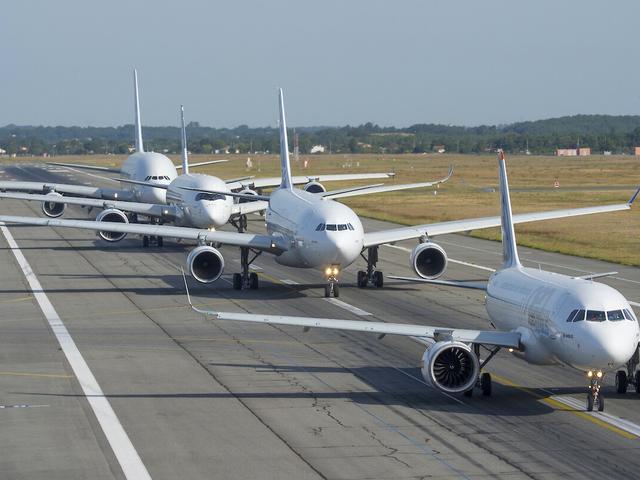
x: 154, y: 168
x: 540, y: 316
x: 204, y: 201
x: 306, y: 230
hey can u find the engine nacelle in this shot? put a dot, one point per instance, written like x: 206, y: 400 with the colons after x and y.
x: 429, y: 260
x: 112, y: 215
x: 450, y: 366
x: 247, y: 191
x: 314, y: 187
x: 52, y: 209
x: 205, y: 264
x: 533, y: 350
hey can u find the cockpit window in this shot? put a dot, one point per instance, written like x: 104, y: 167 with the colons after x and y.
x: 166, y: 177
x: 571, y: 315
x: 595, y: 316
x: 320, y: 228
x: 332, y: 227
x: 628, y: 315
x: 350, y: 226
x: 579, y: 316
x: 148, y: 177
x: 209, y: 197
x: 342, y: 227
x: 615, y: 315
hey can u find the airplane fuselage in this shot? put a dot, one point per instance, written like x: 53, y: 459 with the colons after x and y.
x: 541, y: 306
x: 319, y: 232
x: 197, y: 209
x: 148, y: 167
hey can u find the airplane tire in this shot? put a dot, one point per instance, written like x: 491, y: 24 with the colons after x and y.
x: 621, y: 381
x: 336, y: 291
x: 600, y: 403
x: 253, y: 281
x: 237, y: 281
x: 160, y: 242
x: 362, y: 279
x: 589, y: 402
x: 145, y: 241
x: 378, y: 279
x: 637, y: 379
x: 485, y: 384
x: 327, y: 291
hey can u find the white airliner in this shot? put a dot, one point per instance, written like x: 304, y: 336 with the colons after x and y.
x: 542, y: 317
x: 151, y: 167
x: 206, y: 201
x: 307, y: 230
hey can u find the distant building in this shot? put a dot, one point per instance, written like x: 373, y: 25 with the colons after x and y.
x: 317, y: 149
x: 3, y: 151
x: 439, y: 148
x: 573, y: 152
x: 637, y: 152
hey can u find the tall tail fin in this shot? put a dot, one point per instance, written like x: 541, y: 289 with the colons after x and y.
x: 509, y: 248
x: 183, y: 137
x: 139, y: 144
x: 285, y: 165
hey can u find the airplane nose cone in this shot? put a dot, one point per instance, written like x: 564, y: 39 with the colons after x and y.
x: 614, y: 343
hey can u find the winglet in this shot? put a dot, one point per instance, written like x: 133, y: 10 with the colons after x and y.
x: 285, y: 165
x: 183, y: 138
x: 633, y: 197
x: 139, y: 144
x: 509, y: 248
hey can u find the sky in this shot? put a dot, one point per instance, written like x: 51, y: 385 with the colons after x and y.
x: 393, y: 63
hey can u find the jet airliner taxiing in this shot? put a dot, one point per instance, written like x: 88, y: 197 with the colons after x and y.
x: 310, y: 230
x: 542, y: 317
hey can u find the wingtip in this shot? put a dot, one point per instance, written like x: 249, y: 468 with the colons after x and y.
x: 634, y: 196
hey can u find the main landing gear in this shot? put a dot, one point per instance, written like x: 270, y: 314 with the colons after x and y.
x: 331, y: 289
x: 150, y: 240
x: 594, y: 397
x: 483, y: 383
x: 631, y: 376
x: 240, y: 223
x: 246, y: 279
x: 371, y: 276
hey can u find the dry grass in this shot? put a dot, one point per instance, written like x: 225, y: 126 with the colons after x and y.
x: 583, y: 181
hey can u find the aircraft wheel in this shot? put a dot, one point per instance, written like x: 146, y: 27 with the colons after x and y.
x: 485, y: 384
x: 589, y: 402
x: 621, y: 381
x: 327, y: 291
x: 468, y: 393
x: 336, y: 291
x: 600, y: 403
x: 160, y: 242
x: 362, y: 279
x: 378, y: 279
x: 637, y: 379
x: 237, y: 281
x: 145, y: 241
x: 253, y: 281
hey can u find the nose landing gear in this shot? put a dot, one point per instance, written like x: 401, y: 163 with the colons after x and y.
x: 331, y: 289
x: 594, y: 396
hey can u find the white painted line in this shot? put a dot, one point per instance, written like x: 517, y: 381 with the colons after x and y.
x: 255, y: 267
x: 91, y: 175
x: 460, y: 262
x: 618, y: 422
x: 404, y: 249
x: 125, y: 452
x: 286, y: 281
x: 348, y: 307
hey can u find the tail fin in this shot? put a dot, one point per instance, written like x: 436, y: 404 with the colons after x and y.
x: 509, y: 248
x: 183, y: 137
x: 139, y: 144
x: 286, y: 182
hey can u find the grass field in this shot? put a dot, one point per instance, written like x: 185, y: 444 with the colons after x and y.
x: 472, y: 192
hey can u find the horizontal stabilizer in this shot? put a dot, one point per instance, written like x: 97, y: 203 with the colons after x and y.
x: 591, y: 276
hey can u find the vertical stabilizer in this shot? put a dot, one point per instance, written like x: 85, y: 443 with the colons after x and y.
x: 509, y: 249
x: 139, y: 145
x: 183, y: 137
x: 284, y: 148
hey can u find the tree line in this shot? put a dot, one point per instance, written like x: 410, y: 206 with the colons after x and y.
x: 617, y: 134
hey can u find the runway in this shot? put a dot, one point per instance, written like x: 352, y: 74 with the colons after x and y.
x: 199, y: 399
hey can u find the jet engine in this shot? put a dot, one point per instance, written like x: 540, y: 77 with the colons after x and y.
x: 51, y: 208
x: 247, y: 191
x: 450, y: 366
x: 112, y: 215
x: 205, y: 264
x: 314, y: 187
x: 429, y: 260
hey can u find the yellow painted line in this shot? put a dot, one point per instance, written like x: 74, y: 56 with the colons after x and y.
x: 561, y: 406
x: 16, y: 300
x: 29, y: 374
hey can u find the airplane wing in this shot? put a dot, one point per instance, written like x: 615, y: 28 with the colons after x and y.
x: 268, y: 243
x: 146, y: 184
x: 484, y: 337
x: 372, y: 239
x: 352, y: 192
x: 77, y: 190
x: 249, y: 207
x: 297, y: 180
x: 166, y: 212
x: 200, y: 164
x: 86, y: 167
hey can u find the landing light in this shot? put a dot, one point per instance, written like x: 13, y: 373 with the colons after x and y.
x: 335, y: 270
x: 599, y: 374
x: 327, y: 271
x: 589, y: 374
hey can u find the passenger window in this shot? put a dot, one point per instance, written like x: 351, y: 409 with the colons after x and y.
x: 571, y: 315
x: 615, y: 315
x: 331, y: 226
x: 320, y: 228
x: 595, y: 316
x: 342, y: 227
x: 579, y: 316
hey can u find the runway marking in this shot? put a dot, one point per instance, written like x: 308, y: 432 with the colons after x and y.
x: 286, y: 281
x: 27, y: 374
x: 347, y: 306
x: 125, y: 452
x: 23, y: 405
x: 91, y: 174
x: 460, y: 262
x: 578, y: 410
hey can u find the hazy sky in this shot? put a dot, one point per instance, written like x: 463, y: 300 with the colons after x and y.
x: 468, y: 62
